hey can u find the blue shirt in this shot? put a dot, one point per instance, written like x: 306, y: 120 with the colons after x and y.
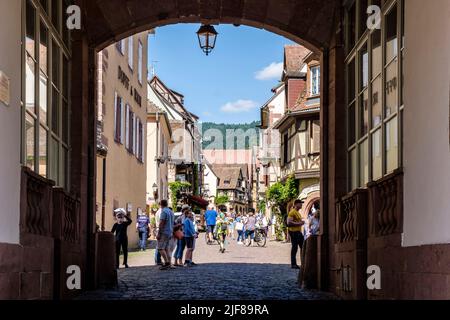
x: 143, y: 222
x: 188, y: 228
x: 211, y: 217
x: 168, y: 216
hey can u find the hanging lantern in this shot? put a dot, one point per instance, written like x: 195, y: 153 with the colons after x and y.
x: 207, y: 36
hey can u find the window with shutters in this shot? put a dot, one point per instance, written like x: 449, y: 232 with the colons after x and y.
x: 141, y: 140
x: 315, y: 146
x: 286, y: 148
x: 127, y: 126
x: 118, y: 119
x: 131, y: 117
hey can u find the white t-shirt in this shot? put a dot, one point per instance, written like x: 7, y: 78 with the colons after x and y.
x: 157, y: 218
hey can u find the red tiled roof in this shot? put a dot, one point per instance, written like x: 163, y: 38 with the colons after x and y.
x: 293, y: 60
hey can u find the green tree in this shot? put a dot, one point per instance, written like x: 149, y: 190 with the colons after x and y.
x: 221, y: 200
x: 262, y: 206
x: 279, y: 195
x: 175, y: 189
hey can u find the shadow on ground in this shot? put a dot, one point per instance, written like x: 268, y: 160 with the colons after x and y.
x: 210, y: 281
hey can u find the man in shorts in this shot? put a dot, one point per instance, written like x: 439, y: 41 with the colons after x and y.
x: 165, y: 235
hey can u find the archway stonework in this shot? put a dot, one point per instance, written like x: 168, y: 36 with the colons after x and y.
x: 312, y: 23
x: 308, y: 22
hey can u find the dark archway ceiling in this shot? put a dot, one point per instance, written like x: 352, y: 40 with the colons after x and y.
x: 308, y: 22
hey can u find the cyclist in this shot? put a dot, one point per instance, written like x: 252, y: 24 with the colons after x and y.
x: 210, y: 219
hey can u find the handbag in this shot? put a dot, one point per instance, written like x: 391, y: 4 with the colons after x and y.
x: 178, y: 234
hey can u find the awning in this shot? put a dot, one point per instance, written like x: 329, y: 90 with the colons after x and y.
x: 199, y: 201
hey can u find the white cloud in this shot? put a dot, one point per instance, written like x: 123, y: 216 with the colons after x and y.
x: 239, y: 106
x: 271, y: 72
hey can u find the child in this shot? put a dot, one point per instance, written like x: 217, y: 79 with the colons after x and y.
x: 120, y: 230
x: 189, y: 235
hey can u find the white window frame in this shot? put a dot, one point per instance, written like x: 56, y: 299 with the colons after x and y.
x: 353, y: 55
x: 140, y: 61
x: 121, y: 46
x: 127, y: 126
x: 130, y: 52
x: 315, y: 75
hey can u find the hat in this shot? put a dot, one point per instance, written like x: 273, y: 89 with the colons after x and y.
x: 185, y: 207
x: 120, y: 211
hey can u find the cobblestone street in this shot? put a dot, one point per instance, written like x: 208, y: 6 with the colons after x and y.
x: 249, y: 273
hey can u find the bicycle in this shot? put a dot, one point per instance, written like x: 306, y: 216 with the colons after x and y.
x: 260, y: 237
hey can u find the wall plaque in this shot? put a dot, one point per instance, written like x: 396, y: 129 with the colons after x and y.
x: 4, y: 88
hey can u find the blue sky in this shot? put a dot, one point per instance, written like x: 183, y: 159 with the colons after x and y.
x: 232, y: 83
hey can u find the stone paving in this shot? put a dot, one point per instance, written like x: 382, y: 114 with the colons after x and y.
x: 241, y: 273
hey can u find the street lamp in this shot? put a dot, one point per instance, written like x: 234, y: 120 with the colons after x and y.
x: 207, y: 37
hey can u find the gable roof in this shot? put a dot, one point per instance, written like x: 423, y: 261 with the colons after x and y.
x: 171, y: 96
x: 230, y: 174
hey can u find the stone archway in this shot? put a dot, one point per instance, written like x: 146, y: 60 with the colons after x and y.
x: 310, y: 23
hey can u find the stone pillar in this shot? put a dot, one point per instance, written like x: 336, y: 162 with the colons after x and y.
x: 106, y: 273
x: 334, y: 155
x: 83, y: 143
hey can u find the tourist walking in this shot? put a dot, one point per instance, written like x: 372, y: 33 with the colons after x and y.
x: 121, y: 237
x: 230, y: 218
x: 158, y: 259
x: 239, y: 229
x: 250, y: 226
x: 143, y: 228
x: 222, y: 229
x: 165, y: 234
x: 210, y: 220
x: 295, y: 223
x: 189, y: 236
x: 181, y: 244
